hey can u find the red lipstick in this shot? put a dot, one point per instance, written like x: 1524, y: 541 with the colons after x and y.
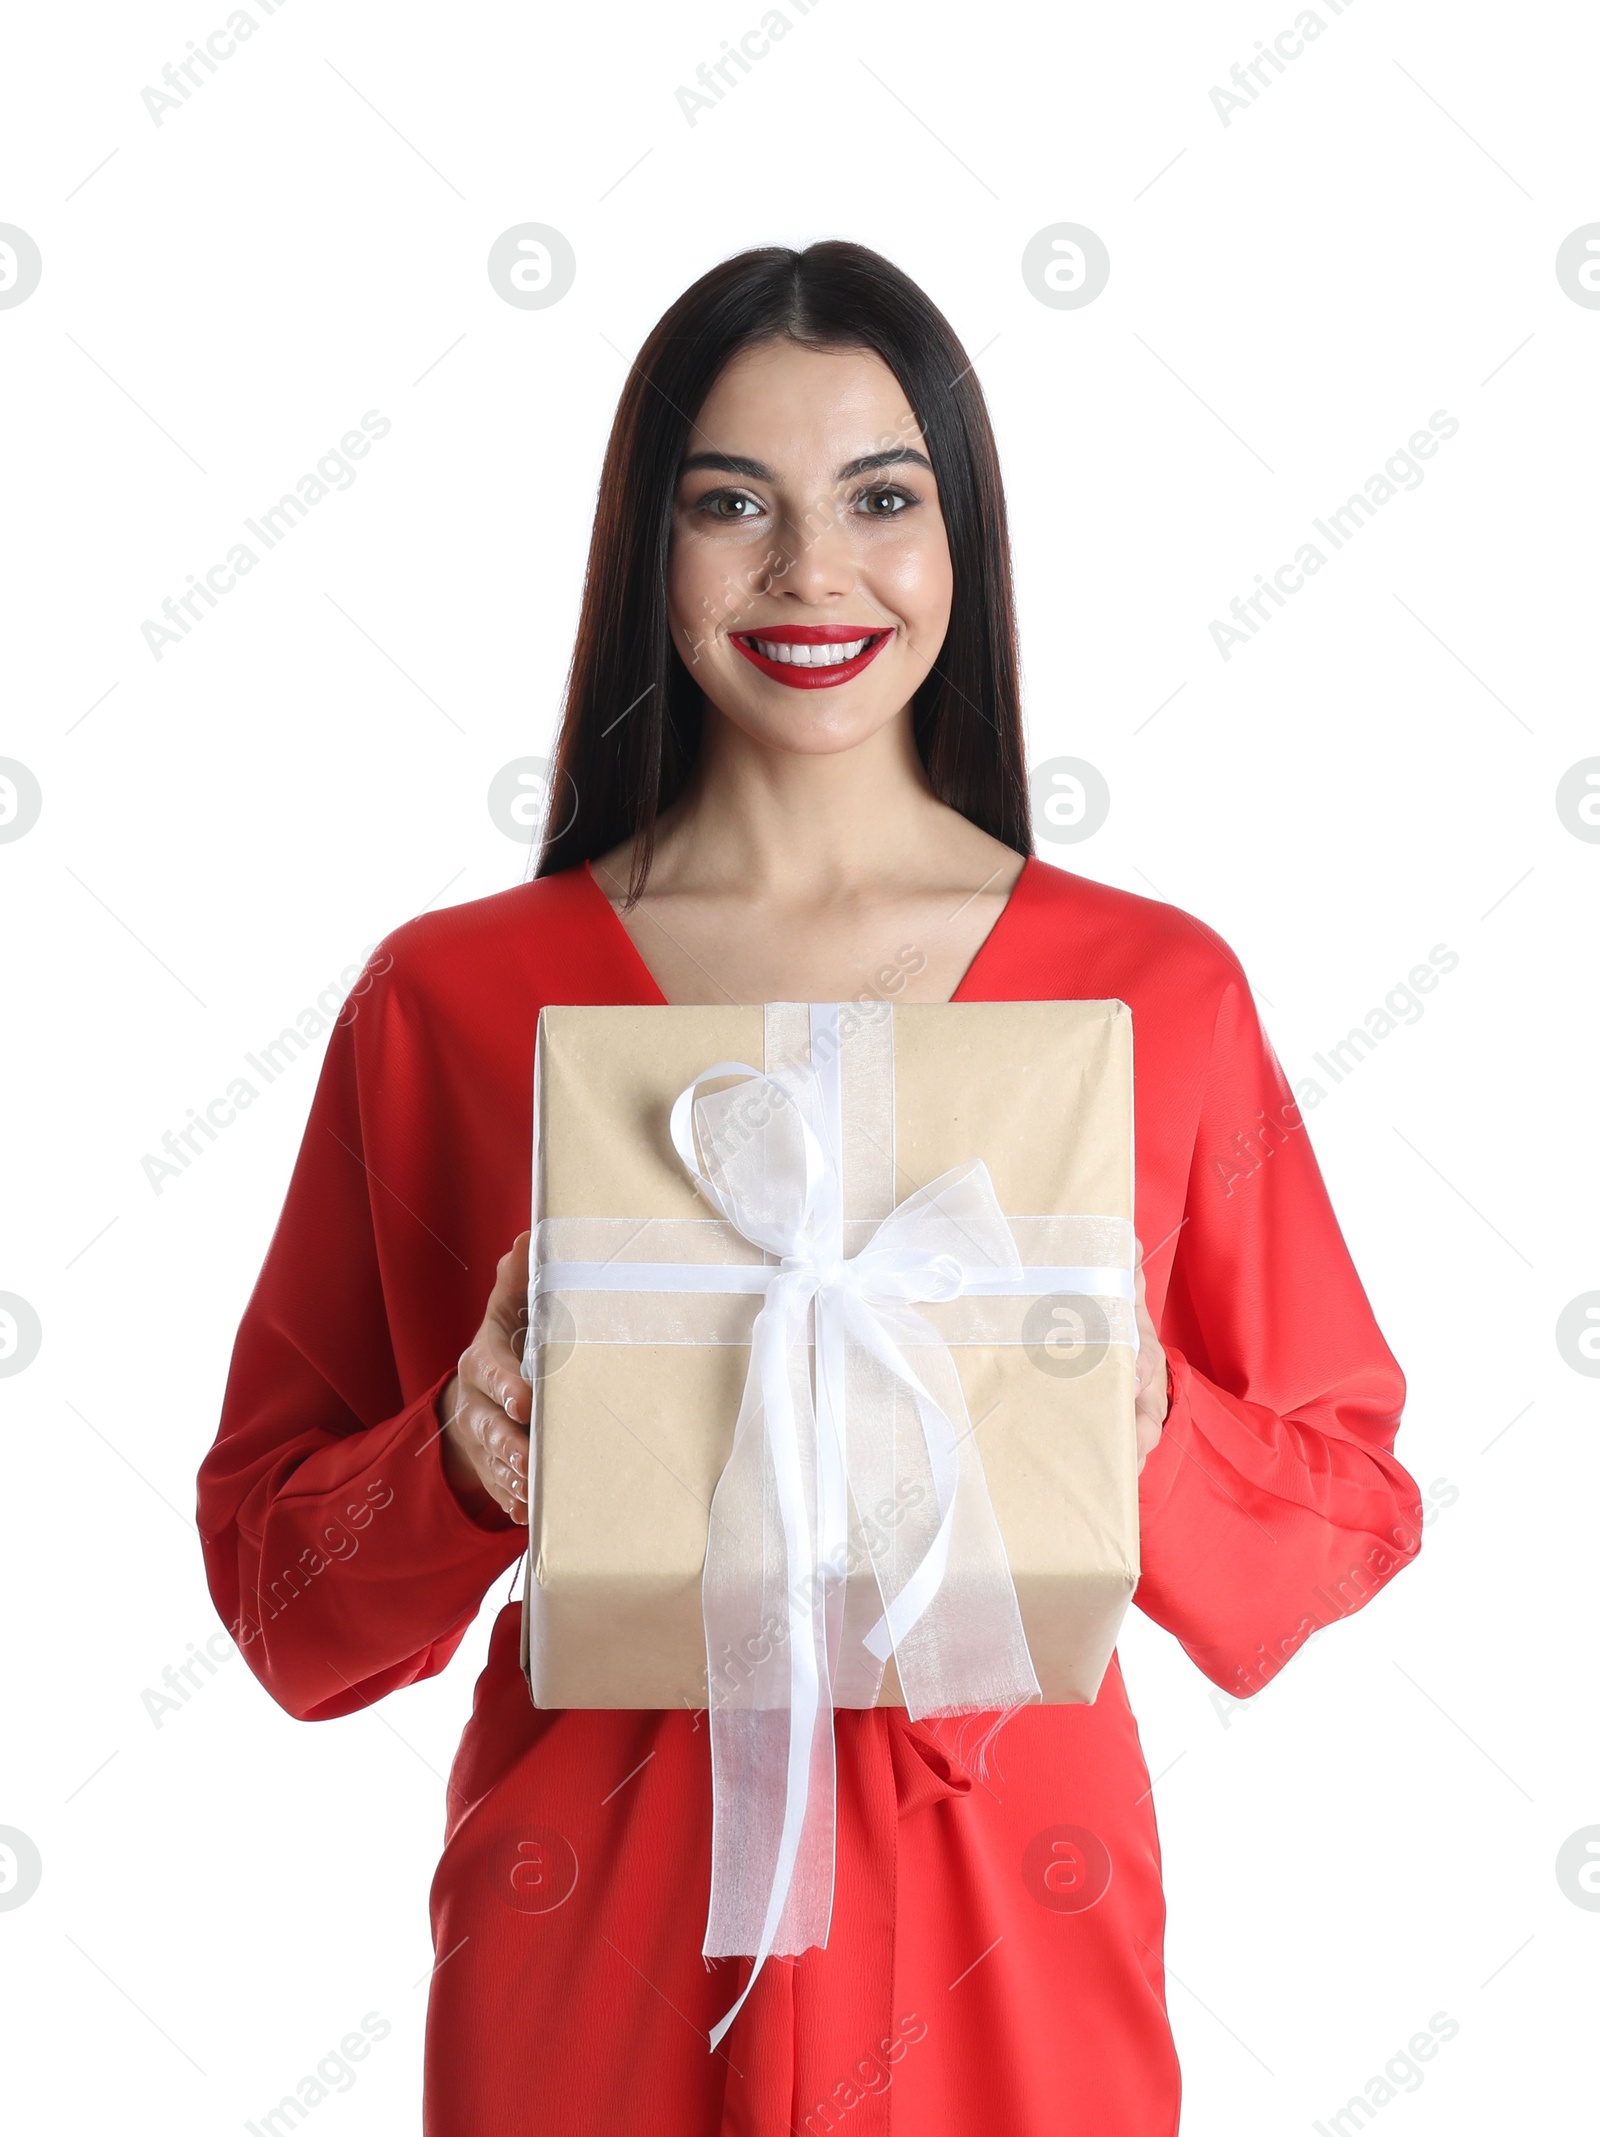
x: 811, y: 674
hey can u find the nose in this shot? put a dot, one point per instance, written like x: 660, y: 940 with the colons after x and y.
x: 820, y: 563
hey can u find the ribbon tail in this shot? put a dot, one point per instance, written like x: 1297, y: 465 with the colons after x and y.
x: 940, y: 1440
x: 786, y: 1700
x: 958, y: 1642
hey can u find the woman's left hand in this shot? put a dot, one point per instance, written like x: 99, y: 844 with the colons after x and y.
x: 1150, y: 1373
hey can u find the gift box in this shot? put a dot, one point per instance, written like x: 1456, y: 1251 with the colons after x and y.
x: 645, y: 1296
x: 832, y: 1341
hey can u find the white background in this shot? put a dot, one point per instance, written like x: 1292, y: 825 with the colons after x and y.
x: 1371, y: 1841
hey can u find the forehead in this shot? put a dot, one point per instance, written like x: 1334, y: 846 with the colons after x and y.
x: 793, y: 407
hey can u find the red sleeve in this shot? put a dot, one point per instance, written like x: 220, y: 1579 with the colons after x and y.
x: 336, y: 1551
x: 1273, y: 1503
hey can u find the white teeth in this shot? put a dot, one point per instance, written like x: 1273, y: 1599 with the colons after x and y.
x: 811, y: 656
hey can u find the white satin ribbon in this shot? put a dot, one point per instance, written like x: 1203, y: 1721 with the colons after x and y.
x: 881, y: 1453
x: 1074, y: 1279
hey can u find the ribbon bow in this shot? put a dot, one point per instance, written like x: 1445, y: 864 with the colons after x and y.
x: 880, y: 1456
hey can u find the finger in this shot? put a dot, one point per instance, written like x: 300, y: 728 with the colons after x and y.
x: 510, y: 1488
x: 1144, y: 1320
x: 512, y: 1498
x: 503, y: 1489
x: 492, y: 1367
x: 502, y: 1439
x: 1151, y: 1399
x: 494, y: 1358
x: 494, y: 1447
x: 504, y: 1448
x: 497, y: 1448
x: 508, y: 1302
x: 506, y: 1455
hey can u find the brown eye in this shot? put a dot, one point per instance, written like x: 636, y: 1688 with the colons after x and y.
x: 886, y: 502
x: 715, y: 502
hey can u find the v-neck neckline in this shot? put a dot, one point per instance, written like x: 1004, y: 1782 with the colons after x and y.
x: 646, y: 983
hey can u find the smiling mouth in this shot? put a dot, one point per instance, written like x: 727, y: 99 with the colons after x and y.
x: 811, y: 656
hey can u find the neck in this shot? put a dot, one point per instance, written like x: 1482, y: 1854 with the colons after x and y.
x: 799, y: 827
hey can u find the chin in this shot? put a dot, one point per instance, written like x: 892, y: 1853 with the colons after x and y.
x: 810, y: 730
x: 810, y: 723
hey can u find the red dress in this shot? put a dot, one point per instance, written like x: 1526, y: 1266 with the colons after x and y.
x: 995, y: 1955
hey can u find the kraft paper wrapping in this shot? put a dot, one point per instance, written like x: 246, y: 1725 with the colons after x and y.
x: 629, y: 1438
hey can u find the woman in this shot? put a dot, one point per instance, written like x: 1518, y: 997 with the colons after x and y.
x: 791, y: 768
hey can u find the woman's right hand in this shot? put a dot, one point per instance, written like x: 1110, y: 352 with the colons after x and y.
x: 486, y: 1404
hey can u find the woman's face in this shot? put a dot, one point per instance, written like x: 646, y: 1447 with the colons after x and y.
x: 809, y: 578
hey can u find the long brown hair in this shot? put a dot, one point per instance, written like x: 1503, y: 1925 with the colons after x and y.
x: 630, y: 728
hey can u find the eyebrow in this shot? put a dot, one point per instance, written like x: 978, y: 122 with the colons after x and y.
x: 758, y: 471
